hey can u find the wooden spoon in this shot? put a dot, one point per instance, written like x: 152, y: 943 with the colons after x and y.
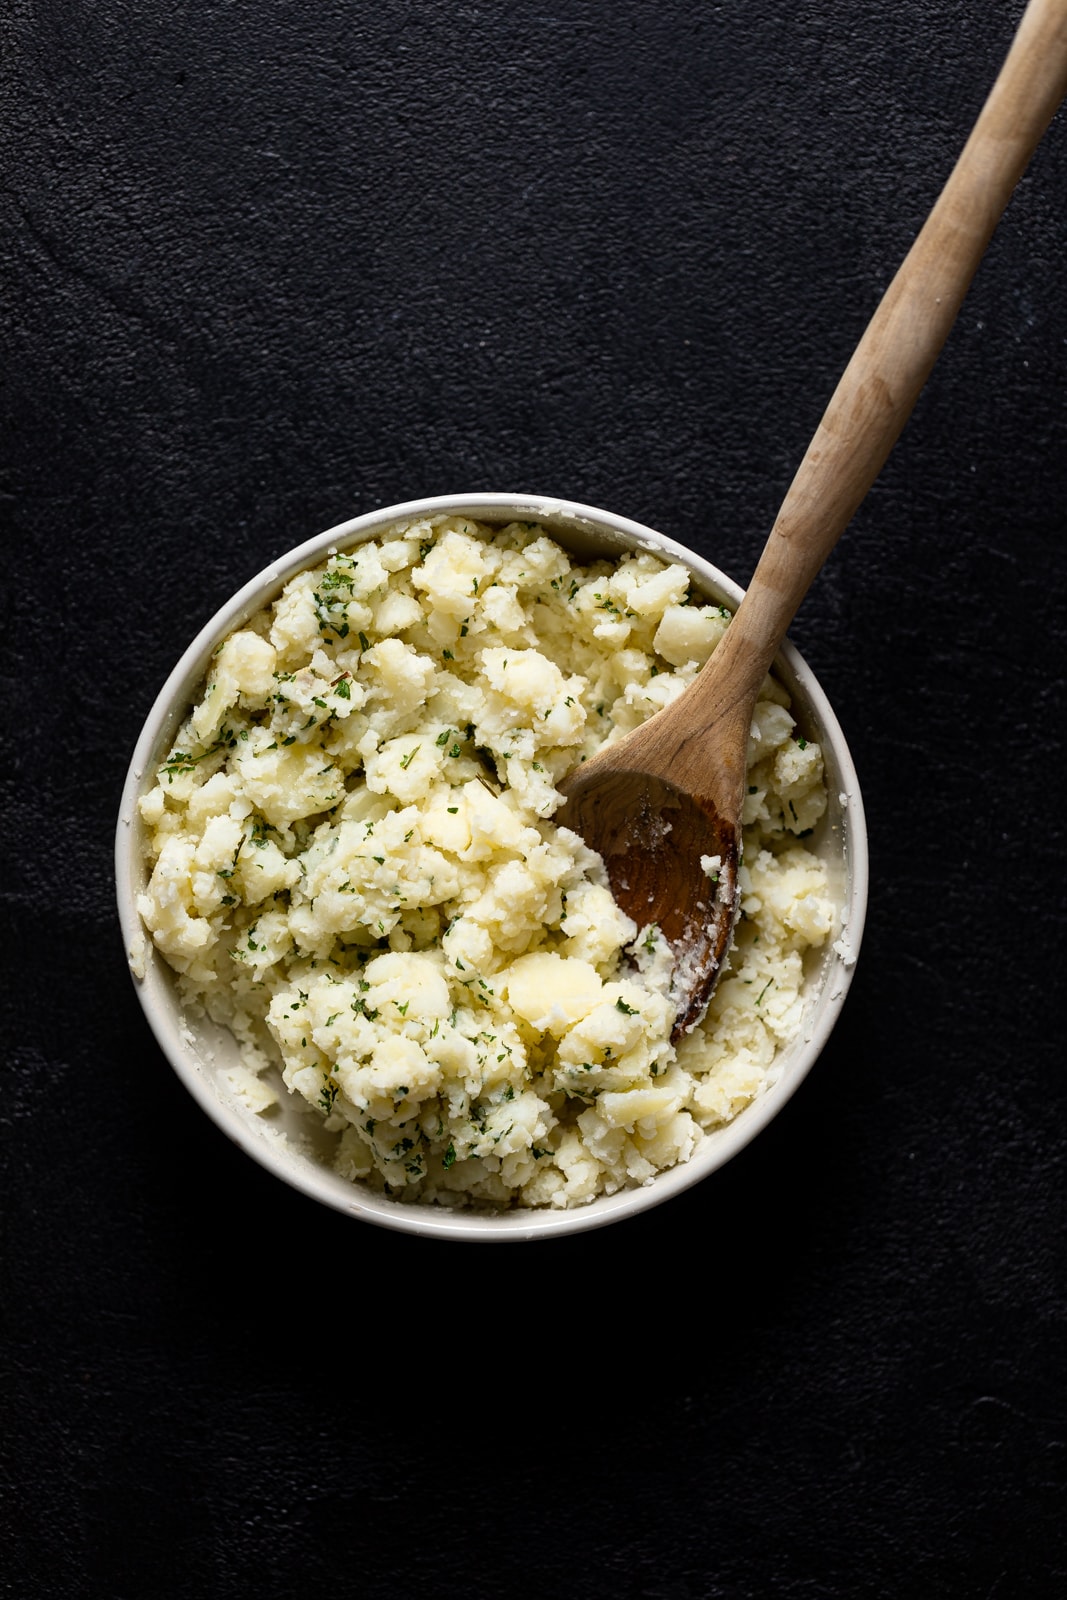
x: 663, y: 805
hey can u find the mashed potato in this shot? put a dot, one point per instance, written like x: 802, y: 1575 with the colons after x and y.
x: 354, y: 868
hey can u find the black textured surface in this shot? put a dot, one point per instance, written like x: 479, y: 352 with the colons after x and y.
x: 268, y: 265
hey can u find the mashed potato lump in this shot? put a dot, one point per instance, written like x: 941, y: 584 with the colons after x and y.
x: 354, y: 868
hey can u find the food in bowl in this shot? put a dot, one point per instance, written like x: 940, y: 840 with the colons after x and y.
x: 353, y: 867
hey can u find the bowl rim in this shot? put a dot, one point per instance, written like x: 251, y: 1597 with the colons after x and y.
x: 317, y: 1180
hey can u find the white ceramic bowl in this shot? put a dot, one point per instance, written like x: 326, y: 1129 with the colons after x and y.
x: 201, y: 1053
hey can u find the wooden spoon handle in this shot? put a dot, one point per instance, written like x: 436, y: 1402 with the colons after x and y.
x: 882, y: 381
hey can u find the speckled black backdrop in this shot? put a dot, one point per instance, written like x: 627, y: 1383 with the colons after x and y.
x: 267, y: 265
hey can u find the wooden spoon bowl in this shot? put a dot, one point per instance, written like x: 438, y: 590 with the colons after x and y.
x: 665, y: 802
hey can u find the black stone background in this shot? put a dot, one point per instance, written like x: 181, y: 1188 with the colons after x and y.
x: 270, y: 265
